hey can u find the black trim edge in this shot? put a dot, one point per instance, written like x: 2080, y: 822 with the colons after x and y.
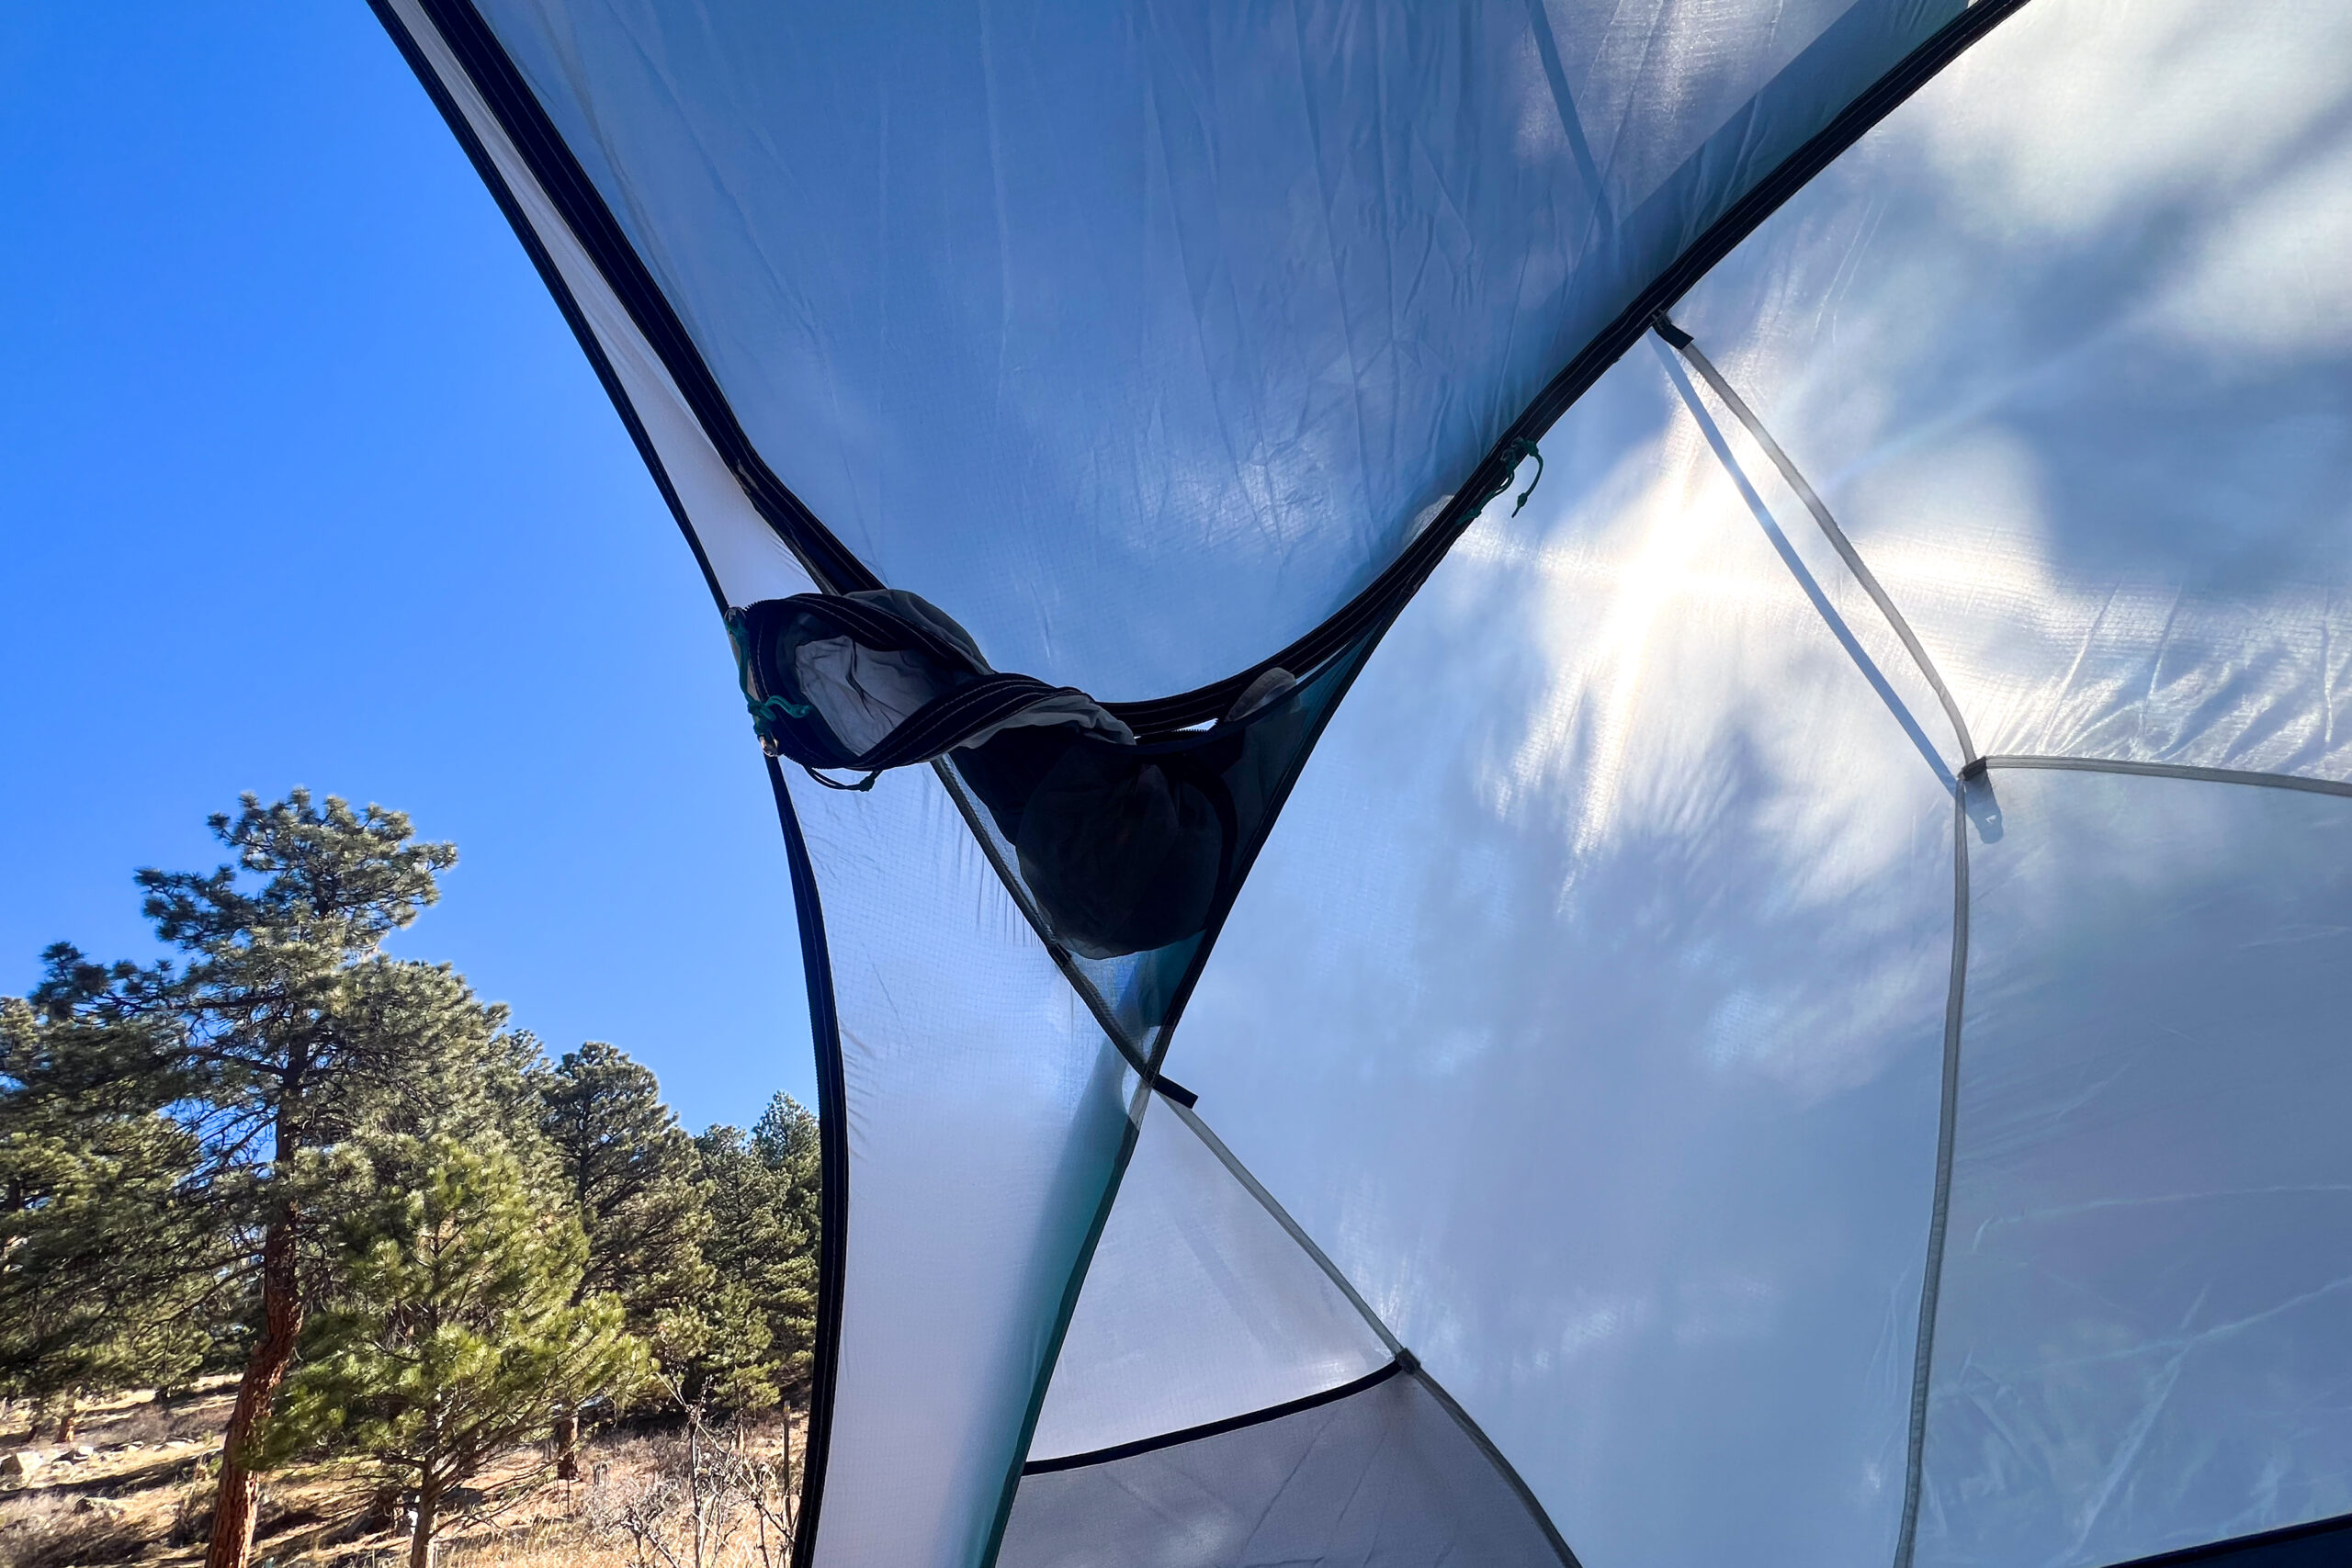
x: 1176, y: 1091
x: 536, y: 249
x: 574, y: 195
x: 833, y: 1135
x: 1404, y: 576
x: 2222, y: 1552
x: 832, y: 1156
x: 1215, y: 1429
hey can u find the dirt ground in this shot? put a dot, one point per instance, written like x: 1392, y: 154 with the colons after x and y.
x: 136, y: 1487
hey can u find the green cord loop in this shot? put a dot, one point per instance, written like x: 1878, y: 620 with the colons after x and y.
x: 1525, y: 449
x: 1519, y: 450
x: 766, y: 713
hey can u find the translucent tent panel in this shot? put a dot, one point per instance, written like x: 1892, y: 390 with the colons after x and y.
x: 1588, y: 1005
x: 1198, y: 1307
x: 1140, y: 337
x: 746, y: 557
x: 985, y: 1119
x: 2148, y: 1281
x: 2066, y: 344
x: 1590, y: 1000
x: 1385, y: 1478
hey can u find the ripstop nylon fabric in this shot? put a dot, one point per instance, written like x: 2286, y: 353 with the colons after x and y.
x: 1142, y: 335
x: 1588, y: 1004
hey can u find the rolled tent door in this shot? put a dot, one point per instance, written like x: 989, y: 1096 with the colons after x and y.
x: 1688, y: 662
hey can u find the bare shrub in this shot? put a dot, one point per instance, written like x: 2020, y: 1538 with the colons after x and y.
x: 697, y: 1499
x: 192, y: 1518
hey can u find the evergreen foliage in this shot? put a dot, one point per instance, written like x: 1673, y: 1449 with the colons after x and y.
x: 763, y: 1197
x: 421, y: 1239
x: 109, y: 1266
x: 460, y: 1328
x: 631, y: 1172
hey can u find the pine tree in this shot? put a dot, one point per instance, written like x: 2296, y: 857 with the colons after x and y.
x: 630, y: 1173
x: 286, y: 1033
x: 786, y: 1138
x: 763, y: 1197
x: 108, y: 1263
x: 461, y: 1328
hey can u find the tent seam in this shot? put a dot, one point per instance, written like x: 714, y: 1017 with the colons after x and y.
x: 1806, y: 583
x: 1290, y: 1228
x: 1080, y: 982
x: 1485, y: 1446
x: 2257, y: 779
x: 1218, y: 1429
x: 1687, y: 346
x: 1947, y: 1122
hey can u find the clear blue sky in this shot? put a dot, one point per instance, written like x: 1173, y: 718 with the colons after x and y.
x: 303, y: 481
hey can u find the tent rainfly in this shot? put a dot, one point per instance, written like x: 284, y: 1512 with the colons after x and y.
x: 1707, y: 645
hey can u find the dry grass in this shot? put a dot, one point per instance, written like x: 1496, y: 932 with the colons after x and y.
x: 143, y: 1497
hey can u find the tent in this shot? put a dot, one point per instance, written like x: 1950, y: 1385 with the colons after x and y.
x: 1704, y: 643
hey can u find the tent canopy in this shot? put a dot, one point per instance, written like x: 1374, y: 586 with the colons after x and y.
x: 1703, y: 645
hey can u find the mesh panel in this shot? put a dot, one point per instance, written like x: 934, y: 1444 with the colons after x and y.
x: 1198, y: 1307
x: 1384, y: 1477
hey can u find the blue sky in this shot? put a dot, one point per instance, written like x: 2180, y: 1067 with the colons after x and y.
x: 303, y: 481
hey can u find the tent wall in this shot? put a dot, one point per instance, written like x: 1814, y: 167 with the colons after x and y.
x: 2067, y: 347
x: 1613, y: 1002
x: 985, y: 1123
x: 1142, y: 337
x: 1199, y: 1307
x: 1588, y: 1003
x: 1386, y: 1475
x: 2144, y: 1298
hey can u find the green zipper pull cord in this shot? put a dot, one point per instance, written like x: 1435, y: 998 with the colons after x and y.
x: 766, y: 713
x: 1520, y: 451
x: 1525, y: 449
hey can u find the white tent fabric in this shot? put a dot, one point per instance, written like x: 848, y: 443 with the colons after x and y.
x: 1791, y: 1017
x: 1143, y: 334
x: 2145, y: 1301
x: 1588, y: 1003
x: 2067, y: 344
x: 745, y: 557
x: 975, y: 1175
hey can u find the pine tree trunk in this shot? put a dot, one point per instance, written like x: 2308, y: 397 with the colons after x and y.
x: 420, y: 1541
x: 567, y: 1445
x: 281, y: 1314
